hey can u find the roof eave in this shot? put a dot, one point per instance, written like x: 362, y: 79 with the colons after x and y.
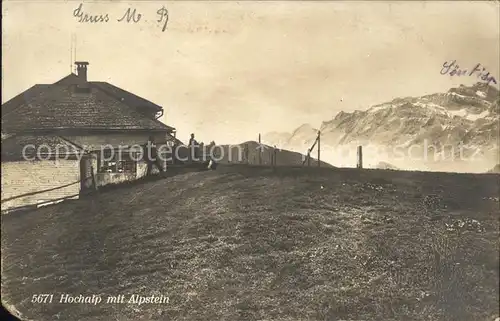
x: 116, y: 129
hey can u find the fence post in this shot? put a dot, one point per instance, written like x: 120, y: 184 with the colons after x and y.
x: 319, y: 148
x: 360, y: 157
x: 275, y: 151
x: 260, y: 151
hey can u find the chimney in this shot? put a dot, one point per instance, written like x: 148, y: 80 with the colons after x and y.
x: 81, y: 69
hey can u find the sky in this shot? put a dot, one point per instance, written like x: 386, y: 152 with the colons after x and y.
x: 228, y: 71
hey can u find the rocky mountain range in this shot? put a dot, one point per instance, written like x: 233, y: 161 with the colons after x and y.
x: 453, y: 131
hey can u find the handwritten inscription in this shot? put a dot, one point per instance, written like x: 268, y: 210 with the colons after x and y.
x: 131, y: 15
x: 163, y: 14
x: 85, y: 17
x: 453, y: 69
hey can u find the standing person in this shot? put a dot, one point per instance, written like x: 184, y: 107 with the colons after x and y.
x: 192, y: 141
x: 193, y: 144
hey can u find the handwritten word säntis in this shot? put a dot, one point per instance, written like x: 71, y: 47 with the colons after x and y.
x: 129, y: 16
x: 453, y: 69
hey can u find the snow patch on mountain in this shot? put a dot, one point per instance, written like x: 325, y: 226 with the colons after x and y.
x: 481, y: 94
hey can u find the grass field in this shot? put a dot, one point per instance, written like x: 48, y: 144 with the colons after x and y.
x: 249, y: 243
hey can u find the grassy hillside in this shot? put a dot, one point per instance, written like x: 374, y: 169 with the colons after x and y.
x: 247, y: 243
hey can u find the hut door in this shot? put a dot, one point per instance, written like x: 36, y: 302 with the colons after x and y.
x: 85, y: 173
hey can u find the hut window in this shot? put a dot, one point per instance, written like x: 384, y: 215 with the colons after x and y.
x: 117, y: 164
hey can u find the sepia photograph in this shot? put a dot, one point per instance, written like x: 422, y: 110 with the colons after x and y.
x: 250, y: 160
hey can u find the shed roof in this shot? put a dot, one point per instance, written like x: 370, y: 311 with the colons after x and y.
x: 59, y: 106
